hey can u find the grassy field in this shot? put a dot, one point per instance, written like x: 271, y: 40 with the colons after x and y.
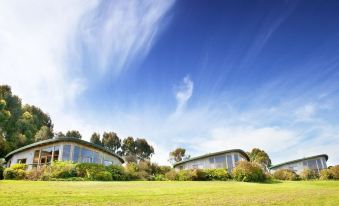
x: 168, y: 193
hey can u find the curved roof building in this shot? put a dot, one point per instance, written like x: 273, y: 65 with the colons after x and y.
x: 62, y: 149
x: 316, y: 163
x: 223, y: 159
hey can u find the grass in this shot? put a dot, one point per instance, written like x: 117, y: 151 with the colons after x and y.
x: 168, y: 193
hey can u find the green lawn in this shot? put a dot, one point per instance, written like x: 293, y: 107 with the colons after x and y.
x: 168, y: 193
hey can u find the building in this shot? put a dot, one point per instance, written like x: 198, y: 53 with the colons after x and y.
x: 224, y: 159
x: 315, y: 163
x: 62, y: 149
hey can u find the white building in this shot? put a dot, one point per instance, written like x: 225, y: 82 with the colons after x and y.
x: 62, y: 149
x: 225, y: 159
x: 315, y: 163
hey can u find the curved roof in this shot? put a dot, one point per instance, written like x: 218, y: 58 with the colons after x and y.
x: 297, y: 160
x: 213, y: 154
x: 64, y: 139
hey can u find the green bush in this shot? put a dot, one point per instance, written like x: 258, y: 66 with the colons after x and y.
x: 38, y: 173
x: 160, y: 177
x: 171, y: 175
x: 1, y: 172
x: 335, y: 172
x: 285, y: 174
x: 217, y: 174
x: 248, y: 172
x: 187, y: 175
x: 89, y: 170
x: 332, y: 173
x: 103, y: 176
x: 308, y: 174
x: 19, y: 167
x: 62, y: 170
x: 9, y: 174
x: 117, y: 172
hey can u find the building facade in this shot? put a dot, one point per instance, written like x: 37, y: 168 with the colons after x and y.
x: 225, y: 159
x: 315, y: 163
x: 62, y: 149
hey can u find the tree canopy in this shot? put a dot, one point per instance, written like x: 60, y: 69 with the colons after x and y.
x: 135, y: 150
x: 95, y: 138
x: 178, y: 155
x: 74, y: 134
x: 260, y: 157
x: 111, y: 141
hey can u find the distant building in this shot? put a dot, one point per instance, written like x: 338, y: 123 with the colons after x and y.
x: 224, y: 159
x: 62, y: 149
x: 315, y: 163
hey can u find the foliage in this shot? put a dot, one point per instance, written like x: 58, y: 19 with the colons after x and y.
x: 178, y: 155
x: 248, y: 172
x: 89, y: 170
x: 143, y: 149
x: 285, y: 174
x: 332, y: 173
x: 95, y: 139
x: 171, y: 175
x: 217, y: 174
x: 260, y: 157
x: 190, y: 175
x: 43, y: 134
x: 74, y: 134
x: 308, y: 174
x: 160, y: 177
x: 335, y: 172
x: 19, y: 167
x: 62, y: 170
x: 14, y: 174
x: 135, y: 150
x: 1, y: 172
x: 38, y: 173
x: 103, y: 176
x: 111, y: 141
x: 19, y: 123
x: 117, y: 172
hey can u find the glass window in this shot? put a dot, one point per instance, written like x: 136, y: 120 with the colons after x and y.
x: 86, y: 155
x: 305, y: 163
x: 36, y: 157
x: 76, y: 153
x: 211, y: 159
x: 312, y: 165
x: 229, y: 163
x: 95, y: 157
x: 56, y: 153
x: 46, y: 155
x: 66, y: 152
x: 236, y: 158
x: 220, y: 161
x: 21, y: 161
x: 106, y: 163
x: 320, y: 166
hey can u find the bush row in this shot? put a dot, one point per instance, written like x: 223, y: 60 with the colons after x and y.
x: 331, y: 173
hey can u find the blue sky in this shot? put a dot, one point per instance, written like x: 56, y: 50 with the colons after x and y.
x: 206, y: 76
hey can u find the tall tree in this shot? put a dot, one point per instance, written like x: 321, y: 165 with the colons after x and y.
x: 260, y: 157
x: 74, y: 134
x: 128, y: 146
x: 136, y: 150
x: 95, y: 138
x: 60, y: 135
x: 143, y: 149
x: 178, y: 155
x: 111, y: 141
x: 43, y: 134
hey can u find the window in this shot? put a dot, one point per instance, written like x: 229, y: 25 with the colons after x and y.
x: 86, y: 155
x: 56, y: 153
x: 36, y: 157
x: 95, y: 157
x: 66, y: 152
x: 106, y: 163
x: 46, y: 155
x: 76, y: 153
x: 220, y: 161
x: 229, y: 163
x: 320, y: 166
x: 211, y: 159
x: 236, y: 158
x: 21, y: 161
x: 312, y: 164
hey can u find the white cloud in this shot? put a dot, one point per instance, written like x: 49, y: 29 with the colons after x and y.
x: 306, y: 112
x: 183, y: 93
x: 121, y: 31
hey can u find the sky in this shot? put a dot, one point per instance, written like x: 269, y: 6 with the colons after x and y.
x: 203, y: 75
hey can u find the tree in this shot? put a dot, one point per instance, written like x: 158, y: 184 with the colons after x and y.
x: 43, y: 134
x: 128, y: 146
x: 60, y: 135
x: 111, y: 141
x: 260, y: 157
x: 95, y: 138
x: 74, y: 134
x: 143, y: 149
x: 178, y: 155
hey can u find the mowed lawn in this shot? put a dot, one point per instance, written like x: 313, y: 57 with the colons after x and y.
x: 168, y: 193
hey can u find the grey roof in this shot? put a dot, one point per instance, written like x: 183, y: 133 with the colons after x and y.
x: 297, y: 160
x: 213, y: 154
x: 64, y: 139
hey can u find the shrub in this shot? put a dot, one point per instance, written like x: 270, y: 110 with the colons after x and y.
x: 325, y: 174
x: 117, y: 172
x: 132, y: 171
x: 9, y: 174
x: 308, y: 174
x: 217, y: 174
x: 103, y: 176
x: 38, y: 173
x: 1, y: 172
x: 63, y: 170
x: 335, y: 172
x: 187, y: 175
x: 89, y: 170
x: 160, y: 177
x: 19, y: 167
x: 248, y: 172
x: 171, y: 175
x: 285, y: 174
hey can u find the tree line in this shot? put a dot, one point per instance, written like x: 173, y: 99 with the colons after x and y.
x: 23, y: 124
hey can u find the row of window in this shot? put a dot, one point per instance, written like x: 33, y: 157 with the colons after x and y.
x: 221, y: 161
x: 314, y: 164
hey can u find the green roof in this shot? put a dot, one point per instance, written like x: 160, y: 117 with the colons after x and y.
x: 64, y: 139
x: 298, y: 160
x: 213, y: 154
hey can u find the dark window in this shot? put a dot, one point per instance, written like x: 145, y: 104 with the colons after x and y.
x: 76, y: 153
x: 46, y: 155
x: 236, y: 158
x: 220, y: 161
x: 312, y: 165
x: 320, y: 166
x: 211, y: 159
x: 66, y: 152
x: 86, y: 155
x: 21, y: 161
x: 56, y: 153
x: 36, y: 157
x: 229, y: 163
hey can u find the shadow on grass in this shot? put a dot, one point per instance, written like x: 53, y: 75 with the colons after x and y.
x: 271, y: 182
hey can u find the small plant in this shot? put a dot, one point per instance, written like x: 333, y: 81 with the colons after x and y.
x: 217, y: 174
x: 285, y: 174
x: 248, y: 172
x: 9, y: 174
x: 103, y: 176
x: 171, y: 175
x: 118, y: 172
x: 308, y: 174
x: 63, y: 170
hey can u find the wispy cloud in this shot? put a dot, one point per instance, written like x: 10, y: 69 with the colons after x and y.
x: 120, y: 32
x: 183, y: 93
